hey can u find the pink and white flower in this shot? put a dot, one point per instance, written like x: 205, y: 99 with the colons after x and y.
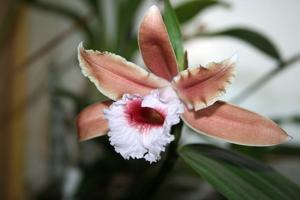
x: 139, y: 127
x: 147, y: 104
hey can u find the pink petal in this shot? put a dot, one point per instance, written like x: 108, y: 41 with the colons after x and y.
x: 235, y: 125
x: 114, y: 76
x: 91, y: 122
x: 155, y: 45
x: 200, y: 87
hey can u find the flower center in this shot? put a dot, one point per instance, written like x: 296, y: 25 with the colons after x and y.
x: 143, y: 115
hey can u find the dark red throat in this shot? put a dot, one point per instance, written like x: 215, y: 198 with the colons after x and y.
x: 140, y: 116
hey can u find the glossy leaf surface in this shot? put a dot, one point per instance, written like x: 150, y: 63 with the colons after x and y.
x: 236, y: 176
x: 254, y: 38
x: 174, y: 31
x: 189, y: 9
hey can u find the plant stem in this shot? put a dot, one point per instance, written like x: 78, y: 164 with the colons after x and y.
x: 257, y: 84
x: 166, y: 167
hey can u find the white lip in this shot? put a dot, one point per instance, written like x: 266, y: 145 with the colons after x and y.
x: 129, y: 140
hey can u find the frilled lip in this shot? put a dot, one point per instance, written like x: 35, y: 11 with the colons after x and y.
x: 198, y: 88
x: 139, y: 126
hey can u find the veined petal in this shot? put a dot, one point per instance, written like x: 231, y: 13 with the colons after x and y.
x: 200, y: 87
x: 155, y: 45
x: 91, y: 122
x: 114, y: 76
x: 235, y: 125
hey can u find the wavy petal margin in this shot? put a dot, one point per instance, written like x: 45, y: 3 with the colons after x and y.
x: 155, y: 45
x: 114, y: 76
x: 91, y: 122
x: 200, y: 87
x: 235, y: 125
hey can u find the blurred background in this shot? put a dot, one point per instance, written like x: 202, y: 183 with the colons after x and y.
x: 42, y: 90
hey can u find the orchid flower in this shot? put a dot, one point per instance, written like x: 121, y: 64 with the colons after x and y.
x: 144, y: 105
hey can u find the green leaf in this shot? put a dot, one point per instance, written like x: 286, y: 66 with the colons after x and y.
x: 131, y: 48
x: 262, y: 153
x: 190, y: 9
x: 173, y: 28
x: 236, y: 176
x: 253, y: 38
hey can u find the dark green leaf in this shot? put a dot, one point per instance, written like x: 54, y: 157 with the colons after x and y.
x: 190, y: 9
x: 288, y: 119
x: 236, y: 176
x: 286, y: 151
x: 262, y: 153
x: 173, y: 28
x: 131, y: 48
x: 253, y: 38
